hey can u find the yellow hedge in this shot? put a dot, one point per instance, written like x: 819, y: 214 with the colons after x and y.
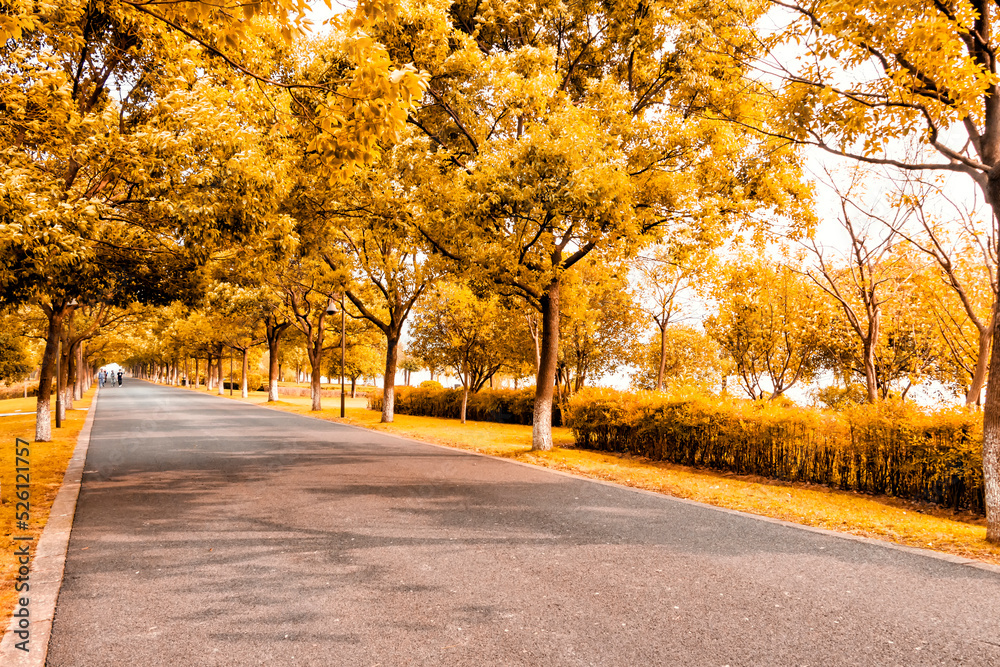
x: 890, y: 448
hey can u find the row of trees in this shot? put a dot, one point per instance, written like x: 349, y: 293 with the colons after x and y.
x: 586, y: 153
x: 140, y: 143
x: 901, y: 308
x: 163, y: 153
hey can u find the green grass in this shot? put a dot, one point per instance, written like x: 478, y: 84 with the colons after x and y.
x: 882, y: 518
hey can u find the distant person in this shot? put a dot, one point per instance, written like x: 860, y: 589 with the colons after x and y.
x: 101, y: 377
x: 119, y: 378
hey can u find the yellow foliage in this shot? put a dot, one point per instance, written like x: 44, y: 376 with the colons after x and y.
x: 887, y: 448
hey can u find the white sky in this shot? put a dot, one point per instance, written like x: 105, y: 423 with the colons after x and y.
x: 320, y: 12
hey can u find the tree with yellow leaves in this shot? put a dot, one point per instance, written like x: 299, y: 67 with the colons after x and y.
x: 877, y: 80
x: 771, y: 322
x: 557, y: 129
x: 122, y: 122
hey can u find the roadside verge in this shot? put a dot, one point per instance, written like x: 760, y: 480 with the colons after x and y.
x: 46, y: 573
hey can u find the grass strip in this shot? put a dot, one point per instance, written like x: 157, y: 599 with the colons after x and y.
x: 884, y: 518
x: 48, y: 461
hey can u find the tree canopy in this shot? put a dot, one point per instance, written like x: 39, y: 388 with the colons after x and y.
x: 570, y: 191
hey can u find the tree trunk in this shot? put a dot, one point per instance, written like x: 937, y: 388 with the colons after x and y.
x: 389, y: 382
x: 871, y: 382
x: 63, y: 381
x: 354, y: 387
x: 81, y: 373
x: 221, y: 379
x: 663, y: 359
x: 314, y: 387
x: 273, y: 373
x: 244, y: 393
x: 533, y: 330
x: 43, y: 417
x: 991, y: 410
x: 273, y: 370
x: 991, y: 444
x: 69, y: 379
x: 541, y: 428
x: 465, y: 393
x: 197, y: 370
x: 982, y: 363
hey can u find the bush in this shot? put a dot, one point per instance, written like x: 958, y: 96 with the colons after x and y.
x: 17, y: 390
x: 506, y: 406
x: 889, y: 448
x: 431, y: 384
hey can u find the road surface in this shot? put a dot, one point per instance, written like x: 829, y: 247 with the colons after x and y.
x: 212, y: 532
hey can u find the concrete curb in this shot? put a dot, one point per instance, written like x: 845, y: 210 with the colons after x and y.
x: 47, y: 566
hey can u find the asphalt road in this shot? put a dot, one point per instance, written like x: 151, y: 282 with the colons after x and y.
x: 210, y: 532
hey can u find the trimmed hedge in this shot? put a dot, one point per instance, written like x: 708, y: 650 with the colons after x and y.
x: 506, y: 406
x: 890, y: 448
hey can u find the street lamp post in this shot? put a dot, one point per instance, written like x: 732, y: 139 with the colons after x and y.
x: 231, y: 371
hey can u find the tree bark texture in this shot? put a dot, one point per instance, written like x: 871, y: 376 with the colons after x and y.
x: 245, y: 374
x: 78, y: 364
x: 991, y: 409
x: 663, y: 359
x: 314, y: 387
x: 315, y: 350
x: 871, y: 383
x: 541, y: 428
x: 221, y: 379
x: 465, y: 394
x: 389, y: 382
x: 273, y: 348
x: 982, y: 364
x: 991, y: 444
x: 68, y: 378
x: 43, y: 417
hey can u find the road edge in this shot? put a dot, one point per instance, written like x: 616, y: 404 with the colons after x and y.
x: 928, y: 553
x: 48, y: 564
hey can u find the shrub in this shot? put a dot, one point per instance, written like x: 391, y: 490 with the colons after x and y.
x: 431, y: 384
x: 17, y: 390
x: 506, y: 406
x: 889, y: 448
